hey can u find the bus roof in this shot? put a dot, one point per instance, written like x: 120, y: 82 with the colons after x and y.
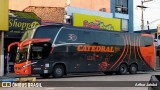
x: 78, y: 27
x: 59, y: 25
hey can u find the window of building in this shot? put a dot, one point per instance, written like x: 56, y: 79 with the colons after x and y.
x: 122, y: 6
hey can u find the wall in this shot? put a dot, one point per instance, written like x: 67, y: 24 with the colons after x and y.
x: 88, y: 4
x: 91, y: 4
x: 22, y: 4
x: 48, y: 14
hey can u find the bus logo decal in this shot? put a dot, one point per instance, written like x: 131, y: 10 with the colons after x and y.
x: 72, y: 37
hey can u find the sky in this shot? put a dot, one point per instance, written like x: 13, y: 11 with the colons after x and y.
x: 151, y: 14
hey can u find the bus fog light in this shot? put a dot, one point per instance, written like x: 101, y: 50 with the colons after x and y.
x: 25, y: 70
x: 47, y: 65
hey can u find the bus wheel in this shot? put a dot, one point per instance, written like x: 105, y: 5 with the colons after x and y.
x: 45, y: 75
x: 133, y: 69
x: 123, y: 69
x: 58, y: 71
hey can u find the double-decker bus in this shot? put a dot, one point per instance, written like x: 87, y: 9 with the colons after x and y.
x: 60, y: 49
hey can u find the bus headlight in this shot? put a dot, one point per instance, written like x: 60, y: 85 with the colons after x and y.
x: 46, y: 65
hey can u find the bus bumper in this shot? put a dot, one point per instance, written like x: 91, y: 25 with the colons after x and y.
x: 22, y: 69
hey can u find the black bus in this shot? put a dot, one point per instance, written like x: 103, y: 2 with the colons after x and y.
x: 60, y: 49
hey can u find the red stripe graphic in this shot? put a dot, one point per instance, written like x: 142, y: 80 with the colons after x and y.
x: 125, y: 52
x: 130, y: 44
x: 135, y: 49
x: 121, y: 54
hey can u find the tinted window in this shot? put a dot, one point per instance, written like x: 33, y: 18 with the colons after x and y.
x: 87, y: 37
x: 67, y: 36
x: 75, y: 36
x: 83, y: 36
x: 116, y: 39
x: 102, y: 38
x: 47, y: 32
x: 146, y: 41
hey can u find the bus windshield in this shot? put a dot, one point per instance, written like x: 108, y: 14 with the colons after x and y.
x: 22, y: 55
x: 37, y: 51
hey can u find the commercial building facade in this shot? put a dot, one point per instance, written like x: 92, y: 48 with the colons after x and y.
x: 63, y: 11
x: 121, y: 9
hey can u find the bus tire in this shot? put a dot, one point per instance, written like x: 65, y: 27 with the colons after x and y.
x: 133, y: 69
x: 58, y: 71
x: 45, y: 75
x: 123, y: 69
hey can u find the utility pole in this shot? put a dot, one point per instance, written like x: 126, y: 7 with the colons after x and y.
x: 142, y: 7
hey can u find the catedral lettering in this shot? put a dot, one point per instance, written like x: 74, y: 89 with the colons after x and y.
x: 87, y: 48
x: 61, y: 49
x: 22, y: 24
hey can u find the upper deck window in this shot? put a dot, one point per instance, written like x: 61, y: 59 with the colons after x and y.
x: 83, y: 36
x: 46, y: 32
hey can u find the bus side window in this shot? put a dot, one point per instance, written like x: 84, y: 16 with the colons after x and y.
x: 146, y: 41
x: 87, y: 37
x: 67, y: 36
x: 116, y: 39
x: 102, y: 38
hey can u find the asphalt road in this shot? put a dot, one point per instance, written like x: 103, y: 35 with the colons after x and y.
x: 97, y: 79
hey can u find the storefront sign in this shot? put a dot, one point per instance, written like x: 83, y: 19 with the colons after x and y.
x: 4, y: 15
x: 96, y: 22
x: 17, y: 26
x: 22, y: 23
